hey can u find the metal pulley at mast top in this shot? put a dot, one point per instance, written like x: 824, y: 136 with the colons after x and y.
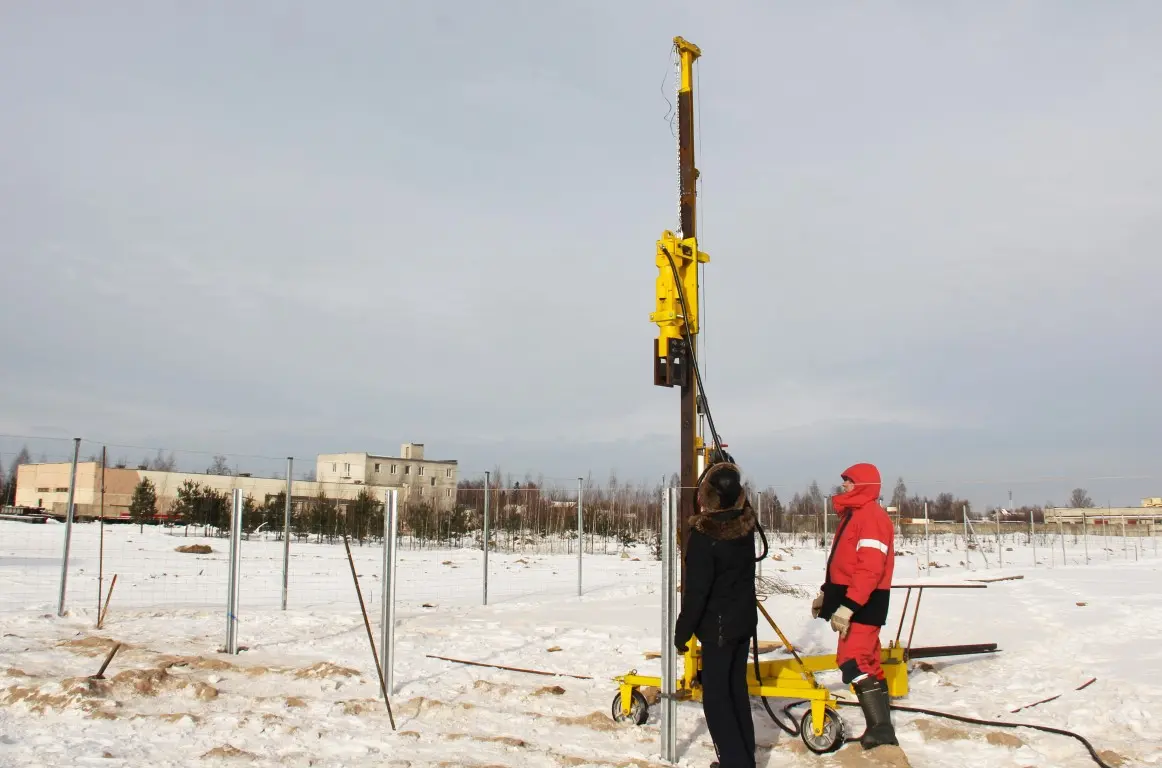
x: 676, y: 314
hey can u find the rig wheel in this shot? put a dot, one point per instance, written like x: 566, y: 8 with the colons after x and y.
x: 833, y: 736
x: 639, y: 708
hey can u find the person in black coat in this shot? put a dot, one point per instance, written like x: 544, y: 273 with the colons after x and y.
x: 719, y: 607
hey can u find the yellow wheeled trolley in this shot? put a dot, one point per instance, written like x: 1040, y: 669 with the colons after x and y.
x: 821, y: 728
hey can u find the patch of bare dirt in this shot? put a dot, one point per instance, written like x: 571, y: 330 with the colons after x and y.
x: 1001, y: 739
x: 325, y: 669
x: 195, y: 549
x: 854, y: 756
x: 170, y: 717
x: 509, y: 741
x: 295, y: 701
x: 194, y: 662
x: 420, y: 704
x: 14, y: 672
x: 550, y: 690
x: 598, y: 721
x: 92, y: 645
x: 359, y: 706
x: 230, y: 752
x: 1113, y: 758
x: 99, y: 697
x: 937, y: 731
x: 500, y: 688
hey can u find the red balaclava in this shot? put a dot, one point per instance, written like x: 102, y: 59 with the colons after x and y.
x: 867, y: 488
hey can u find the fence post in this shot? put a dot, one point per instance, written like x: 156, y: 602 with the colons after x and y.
x: 1000, y: 544
x: 927, y: 543
x: 669, y: 725
x: 235, y: 556
x: 580, y: 535
x: 760, y: 519
x: 967, y: 553
x: 70, y: 511
x: 387, y: 612
x: 286, y: 531
x: 1032, y: 534
x: 1085, y: 537
x: 487, y: 484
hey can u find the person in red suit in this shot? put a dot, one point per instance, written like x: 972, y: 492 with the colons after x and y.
x: 855, y: 594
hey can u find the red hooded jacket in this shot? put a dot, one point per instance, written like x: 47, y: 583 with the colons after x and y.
x: 863, y: 555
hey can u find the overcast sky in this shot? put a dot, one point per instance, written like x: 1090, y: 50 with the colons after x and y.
x: 288, y: 228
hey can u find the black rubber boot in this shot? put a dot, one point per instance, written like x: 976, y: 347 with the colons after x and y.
x: 874, y: 700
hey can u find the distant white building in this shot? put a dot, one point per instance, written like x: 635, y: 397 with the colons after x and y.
x: 339, y: 476
x: 419, y: 479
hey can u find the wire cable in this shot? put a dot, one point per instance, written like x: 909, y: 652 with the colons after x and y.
x: 1093, y: 753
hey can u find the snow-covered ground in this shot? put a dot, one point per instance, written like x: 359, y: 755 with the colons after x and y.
x: 304, y: 692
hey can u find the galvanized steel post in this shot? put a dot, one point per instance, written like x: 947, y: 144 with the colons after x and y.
x: 387, y: 609
x: 70, y: 511
x: 235, y: 557
x: 487, y: 484
x: 669, y: 716
x: 927, y: 542
x: 967, y: 554
x: 580, y: 535
x: 286, y: 531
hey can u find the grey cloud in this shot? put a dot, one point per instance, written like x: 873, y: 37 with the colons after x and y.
x: 277, y: 230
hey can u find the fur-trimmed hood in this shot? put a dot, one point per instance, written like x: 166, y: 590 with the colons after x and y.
x: 716, y: 519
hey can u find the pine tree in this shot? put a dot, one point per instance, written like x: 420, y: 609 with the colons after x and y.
x: 144, y: 504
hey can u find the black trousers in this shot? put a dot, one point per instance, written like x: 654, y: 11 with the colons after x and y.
x: 726, y: 702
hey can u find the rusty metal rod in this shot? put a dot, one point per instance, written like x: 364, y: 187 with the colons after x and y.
x: 101, y: 672
x: 108, y: 597
x: 510, y: 669
x: 370, y: 637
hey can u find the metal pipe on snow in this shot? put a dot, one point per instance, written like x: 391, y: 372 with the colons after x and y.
x: 387, y: 609
x: 669, y: 716
x: 487, y: 485
x: 235, y: 557
x: 70, y: 511
x: 286, y: 531
x: 580, y: 535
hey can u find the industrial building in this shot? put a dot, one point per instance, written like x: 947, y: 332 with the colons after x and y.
x: 1149, y: 514
x: 337, y: 476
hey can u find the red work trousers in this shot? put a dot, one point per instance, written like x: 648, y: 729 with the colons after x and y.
x: 858, y: 654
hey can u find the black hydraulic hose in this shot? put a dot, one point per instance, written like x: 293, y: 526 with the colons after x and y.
x: 759, y: 678
x: 975, y: 721
x: 690, y: 351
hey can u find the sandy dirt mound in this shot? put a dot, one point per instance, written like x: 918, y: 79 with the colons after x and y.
x: 195, y: 549
x: 194, y: 662
x: 598, y: 721
x: 510, y: 741
x: 325, y: 669
x: 854, y: 756
x: 228, y: 751
x: 550, y: 690
x: 92, y: 645
x: 100, y: 698
x: 499, y: 688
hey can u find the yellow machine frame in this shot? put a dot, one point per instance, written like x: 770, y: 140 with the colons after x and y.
x: 792, y: 678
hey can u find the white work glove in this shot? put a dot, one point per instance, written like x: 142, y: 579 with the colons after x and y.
x: 817, y: 605
x: 841, y: 620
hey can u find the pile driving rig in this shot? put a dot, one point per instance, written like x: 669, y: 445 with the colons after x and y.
x: 675, y: 362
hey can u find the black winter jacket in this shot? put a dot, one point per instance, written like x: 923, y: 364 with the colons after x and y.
x: 718, y: 598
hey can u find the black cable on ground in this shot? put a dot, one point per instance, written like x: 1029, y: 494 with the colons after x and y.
x: 972, y: 721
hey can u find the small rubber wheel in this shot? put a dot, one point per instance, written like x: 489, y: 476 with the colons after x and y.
x: 639, y: 709
x: 832, y: 738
